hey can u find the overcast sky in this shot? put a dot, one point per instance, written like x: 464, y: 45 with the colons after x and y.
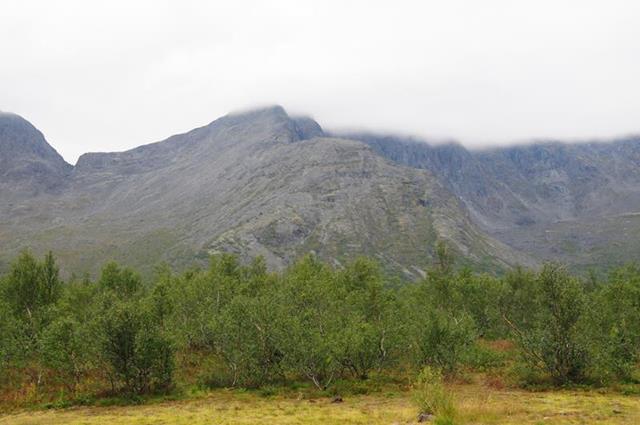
x: 112, y: 75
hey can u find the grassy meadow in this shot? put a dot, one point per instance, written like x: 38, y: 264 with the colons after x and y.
x: 477, y: 403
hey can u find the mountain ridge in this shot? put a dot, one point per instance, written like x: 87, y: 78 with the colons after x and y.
x: 261, y: 182
x: 525, y: 194
x: 256, y: 183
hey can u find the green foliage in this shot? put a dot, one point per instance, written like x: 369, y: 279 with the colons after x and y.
x: 442, y: 339
x: 29, y: 292
x: 67, y: 349
x: 369, y: 333
x: 339, y: 328
x: 553, y: 337
x: 614, y: 326
x: 8, y: 335
x: 246, y: 340
x: 444, y: 257
x: 31, y: 286
x: 483, y: 359
x: 432, y: 398
x: 139, y: 356
x: 517, y: 298
x: 310, y: 328
x: 124, y: 282
x: 440, y: 330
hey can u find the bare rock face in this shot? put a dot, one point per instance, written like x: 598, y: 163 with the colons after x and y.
x: 577, y: 203
x: 255, y: 183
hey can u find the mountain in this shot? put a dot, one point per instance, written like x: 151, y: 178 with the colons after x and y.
x: 577, y: 203
x: 253, y: 183
x: 27, y: 161
x: 264, y: 183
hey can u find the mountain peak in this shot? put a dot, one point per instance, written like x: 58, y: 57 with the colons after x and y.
x: 271, y: 111
x: 275, y: 117
x: 25, y: 155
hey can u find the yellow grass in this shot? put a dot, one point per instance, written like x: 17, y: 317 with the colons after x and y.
x: 477, y: 405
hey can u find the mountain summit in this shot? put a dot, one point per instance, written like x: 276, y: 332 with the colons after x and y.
x: 27, y: 161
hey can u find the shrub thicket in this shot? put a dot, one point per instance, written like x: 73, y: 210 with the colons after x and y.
x: 311, y: 321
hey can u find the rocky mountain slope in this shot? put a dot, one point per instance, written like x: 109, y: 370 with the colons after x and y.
x: 256, y: 183
x: 578, y: 203
x: 28, y: 165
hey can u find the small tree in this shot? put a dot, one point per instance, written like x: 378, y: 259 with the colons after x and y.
x: 439, y: 329
x: 123, y: 282
x: 308, y: 333
x: 30, y: 290
x: 368, y: 331
x: 246, y: 339
x: 138, y: 354
x: 553, y: 339
x: 68, y: 350
x: 614, y: 326
x: 441, y: 339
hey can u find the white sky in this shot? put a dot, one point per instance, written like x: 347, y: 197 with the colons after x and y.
x: 112, y: 75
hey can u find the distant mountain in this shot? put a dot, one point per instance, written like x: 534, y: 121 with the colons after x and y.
x: 578, y: 203
x: 255, y: 183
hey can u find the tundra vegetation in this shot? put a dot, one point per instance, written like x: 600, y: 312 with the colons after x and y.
x: 312, y: 330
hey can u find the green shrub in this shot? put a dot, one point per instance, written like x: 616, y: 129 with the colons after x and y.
x: 67, y: 348
x: 432, y: 397
x: 442, y: 339
x: 140, y: 357
x: 553, y: 338
x: 614, y: 327
x: 481, y: 358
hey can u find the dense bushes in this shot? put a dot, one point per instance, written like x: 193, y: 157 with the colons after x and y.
x: 552, y: 335
x: 249, y: 327
x: 131, y: 343
x: 80, y: 327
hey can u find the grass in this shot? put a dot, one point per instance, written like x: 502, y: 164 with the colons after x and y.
x: 477, y: 404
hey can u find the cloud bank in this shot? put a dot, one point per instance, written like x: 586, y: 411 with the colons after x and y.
x: 103, y: 76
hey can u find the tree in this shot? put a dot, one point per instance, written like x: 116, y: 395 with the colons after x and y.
x: 369, y: 331
x: 614, y: 325
x: 444, y: 257
x: 123, y: 282
x: 32, y: 286
x: 246, y: 340
x: 310, y: 326
x: 30, y: 290
x: 478, y: 296
x: 441, y: 339
x: 140, y: 357
x: 67, y: 349
x: 552, y: 340
x: 439, y: 330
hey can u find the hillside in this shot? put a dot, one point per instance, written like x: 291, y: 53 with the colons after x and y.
x: 577, y: 203
x: 255, y: 183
